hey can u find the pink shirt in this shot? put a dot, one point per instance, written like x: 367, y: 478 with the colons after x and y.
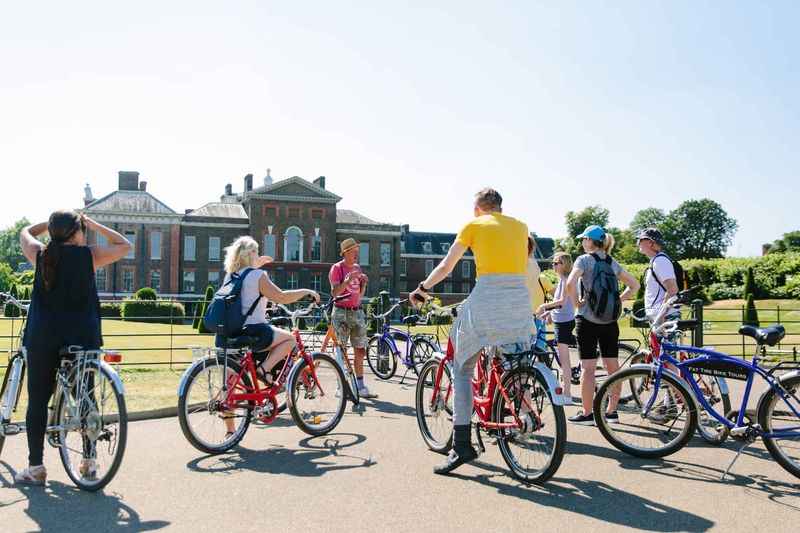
x: 337, y: 275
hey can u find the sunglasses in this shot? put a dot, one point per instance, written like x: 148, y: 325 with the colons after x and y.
x: 557, y: 263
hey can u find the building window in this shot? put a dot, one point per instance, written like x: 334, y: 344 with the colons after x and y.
x: 270, y: 211
x: 155, y: 245
x: 293, y: 245
x: 402, y: 247
x: 269, y: 245
x: 465, y: 288
x: 317, y: 213
x: 100, y: 279
x: 466, y: 269
x: 131, y: 236
x: 404, y: 267
x: 316, y: 249
x: 316, y: 282
x: 127, y: 280
x: 189, y: 247
x: 363, y: 253
x: 386, y: 254
x: 427, y: 248
x: 155, y: 280
x: 448, y: 287
x: 213, y: 278
x: 291, y: 280
x: 294, y: 212
x: 428, y: 267
x: 445, y: 247
x: 386, y: 284
x: 214, y: 248
x: 188, y: 281
x: 402, y: 286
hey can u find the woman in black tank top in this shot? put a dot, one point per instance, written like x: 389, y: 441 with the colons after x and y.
x: 64, y: 310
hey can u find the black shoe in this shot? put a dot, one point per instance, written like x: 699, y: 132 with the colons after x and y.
x: 612, y: 418
x: 582, y: 419
x: 455, y: 459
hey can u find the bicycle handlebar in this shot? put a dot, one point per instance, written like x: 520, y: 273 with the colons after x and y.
x: 13, y: 301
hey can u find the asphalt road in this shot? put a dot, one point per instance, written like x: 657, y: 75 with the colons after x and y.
x: 374, y: 474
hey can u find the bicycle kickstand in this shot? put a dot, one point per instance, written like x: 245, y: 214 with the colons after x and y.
x: 404, y: 376
x: 727, y: 470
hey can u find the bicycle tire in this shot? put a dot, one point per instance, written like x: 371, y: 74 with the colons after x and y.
x: 374, y: 348
x: 2, y: 395
x: 298, y: 418
x: 685, y: 402
x: 766, y: 410
x: 427, y: 376
x: 419, y: 359
x: 122, y: 433
x: 631, y: 354
x: 183, y: 406
x: 505, y: 436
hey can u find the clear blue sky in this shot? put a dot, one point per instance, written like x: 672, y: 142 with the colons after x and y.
x: 409, y: 108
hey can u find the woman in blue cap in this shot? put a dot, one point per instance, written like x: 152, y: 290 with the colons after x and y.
x: 597, y: 274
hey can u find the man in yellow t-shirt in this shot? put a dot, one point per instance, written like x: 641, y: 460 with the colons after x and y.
x: 497, y: 311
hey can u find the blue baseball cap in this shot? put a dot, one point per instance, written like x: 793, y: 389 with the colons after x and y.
x: 594, y: 232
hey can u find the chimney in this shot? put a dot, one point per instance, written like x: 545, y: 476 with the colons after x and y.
x: 248, y: 183
x: 187, y: 211
x: 320, y: 182
x: 229, y: 190
x: 143, y: 186
x: 267, y: 179
x: 404, y: 229
x: 128, y: 180
x: 87, y: 195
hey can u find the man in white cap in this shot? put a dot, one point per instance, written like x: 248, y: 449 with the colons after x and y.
x: 348, y: 319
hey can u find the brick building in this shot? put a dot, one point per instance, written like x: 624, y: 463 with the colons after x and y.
x: 294, y: 220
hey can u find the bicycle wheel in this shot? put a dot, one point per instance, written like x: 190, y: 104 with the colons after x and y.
x: 637, y: 383
x: 380, y: 358
x: 712, y: 430
x: 421, y: 350
x: 317, y: 405
x: 785, y: 450
x: 92, y: 427
x: 534, y: 451
x: 201, y: 414
x: 664, y: 429
x: 435, y: 406
x: 627, y: 356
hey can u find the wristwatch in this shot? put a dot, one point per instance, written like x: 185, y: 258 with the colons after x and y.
x: 422, y: 287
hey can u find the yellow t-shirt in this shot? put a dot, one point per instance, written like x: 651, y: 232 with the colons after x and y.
x: 499, y: 243
x: 536, y: 282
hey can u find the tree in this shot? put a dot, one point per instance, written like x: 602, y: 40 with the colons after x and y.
x: 750, y: 313
x: 650, y: 217
x: 146, y: 293
x: 578, y: 221
x: 201, y: 328
x: 11, y: 310
x: 699, y: 229
x: 10, y: 249
x: 625, y: 249
x: 749, y: 283
x: 790, y: 242
x: 6, y: 277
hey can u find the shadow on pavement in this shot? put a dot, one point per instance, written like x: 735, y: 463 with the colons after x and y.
x: 64, y: 508
x: 313, y: 459
x: 594, y: 499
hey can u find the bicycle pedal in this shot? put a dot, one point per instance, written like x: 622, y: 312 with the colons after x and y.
x: 11, y: 429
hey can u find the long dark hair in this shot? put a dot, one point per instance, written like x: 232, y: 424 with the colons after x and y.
x: 61, y: 227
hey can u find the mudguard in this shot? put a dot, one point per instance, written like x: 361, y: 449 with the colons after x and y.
x: 552, y: 382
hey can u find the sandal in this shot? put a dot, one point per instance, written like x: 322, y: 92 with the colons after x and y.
x: 88, y: 469
x: 33, y: 475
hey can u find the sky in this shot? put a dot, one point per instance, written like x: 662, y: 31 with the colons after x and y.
x: 409, y: 108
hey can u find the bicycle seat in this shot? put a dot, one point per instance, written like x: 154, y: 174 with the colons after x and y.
x: 241, y: 341
x: 769, y: 336
x: 69, y: 351
x: 411, y: 320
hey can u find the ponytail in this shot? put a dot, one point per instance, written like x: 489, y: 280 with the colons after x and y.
x: 61, y: 227
x: 608, y: 243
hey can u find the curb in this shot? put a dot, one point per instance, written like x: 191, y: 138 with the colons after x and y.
x: 153, y: 414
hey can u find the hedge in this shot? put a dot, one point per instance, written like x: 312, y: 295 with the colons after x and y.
x: 110, y: 310
x: 149, y: 311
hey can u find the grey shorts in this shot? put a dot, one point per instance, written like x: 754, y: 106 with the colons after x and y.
x: 350, y: 326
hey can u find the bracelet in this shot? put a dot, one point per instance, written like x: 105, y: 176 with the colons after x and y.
x: 422, y: 288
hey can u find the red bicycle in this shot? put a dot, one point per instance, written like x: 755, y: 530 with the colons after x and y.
x: 513, y: 402
x: 220, y: 394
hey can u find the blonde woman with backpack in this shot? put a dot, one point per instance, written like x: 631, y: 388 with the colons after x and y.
x: 599, y: 308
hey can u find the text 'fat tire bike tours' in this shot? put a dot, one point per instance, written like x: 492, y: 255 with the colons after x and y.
x: 87, y: 420
x: 221, y: 393
x: 517, y: 401
x: 666, y: 413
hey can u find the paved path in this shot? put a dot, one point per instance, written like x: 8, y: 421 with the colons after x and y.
x: 374, y: 474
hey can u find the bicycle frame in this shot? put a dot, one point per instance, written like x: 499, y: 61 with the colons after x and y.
x: 749, y: 369
x: 388, y: 334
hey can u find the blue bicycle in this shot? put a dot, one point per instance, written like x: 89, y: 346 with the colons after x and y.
x: 383, y: 352
x: 667, y: 416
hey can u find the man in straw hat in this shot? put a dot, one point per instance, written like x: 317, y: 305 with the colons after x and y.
x: 348, y: 319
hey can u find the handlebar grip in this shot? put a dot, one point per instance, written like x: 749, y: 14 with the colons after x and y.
x: 419, y: 298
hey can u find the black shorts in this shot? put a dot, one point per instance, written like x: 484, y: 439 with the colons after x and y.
x: 264, y: 334
x: 563, y: 332
x: 590, y: 335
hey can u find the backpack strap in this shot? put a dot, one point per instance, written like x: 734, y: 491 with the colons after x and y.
x: 653, y: 270
x: 255, y: 302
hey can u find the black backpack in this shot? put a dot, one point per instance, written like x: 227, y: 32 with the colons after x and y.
x: 680, y: 275
x: 224, y: 314
x: 603, y: 296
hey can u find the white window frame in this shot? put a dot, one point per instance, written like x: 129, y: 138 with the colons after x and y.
x: 386, y: 246
x: 428, y: 267
x: 361, y: 253
x: 131, y: 236
x: 404, y: 267
x: 316, y: 239
x: 101, y: 274
x: 125, y: 287
x: 445, y: 247
x: 292, y: 281
x: 189, y: 274
x: 214, y: 283
x: 466, y: 269
x: 155, y: 273
x: 186, y: 240
x: 155, y: 245
x: 316, y: 282
x: 218, y: 257
x: 427, y: 247
x: 286, y: 245
x: 266, y: 249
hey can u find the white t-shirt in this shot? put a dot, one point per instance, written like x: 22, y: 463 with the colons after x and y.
x: 653, y: 293
x: 250, y: 292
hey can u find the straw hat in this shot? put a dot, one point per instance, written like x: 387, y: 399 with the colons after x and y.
x: 347, y: 244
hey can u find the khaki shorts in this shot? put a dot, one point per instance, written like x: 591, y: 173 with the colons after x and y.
x: 350, y: 326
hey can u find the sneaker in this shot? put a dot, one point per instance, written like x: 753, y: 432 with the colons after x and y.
x: 364, y: 392
x: 33, y: 475
x: 582, y: 419
x: 612, y: 418
x: 88, y: 469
